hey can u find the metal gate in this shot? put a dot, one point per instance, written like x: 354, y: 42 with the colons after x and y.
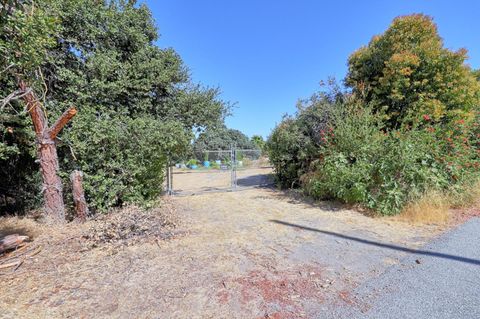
x: 221, y: 170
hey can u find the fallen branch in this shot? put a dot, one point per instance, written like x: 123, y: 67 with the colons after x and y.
x: 15, y: 253
x: 29, y: 253
x: 19, y: 264
x: 11, y: 242
x: 15, y: 263
x: 35, y: 252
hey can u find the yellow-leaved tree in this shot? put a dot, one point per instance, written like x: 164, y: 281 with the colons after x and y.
x: 407, y: 74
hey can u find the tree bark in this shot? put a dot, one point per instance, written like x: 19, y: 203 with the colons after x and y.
x: 79, y: 195
x: 62, y: 121
x: 52, y: 184
x: 11, y: 242
x: 47, y: 154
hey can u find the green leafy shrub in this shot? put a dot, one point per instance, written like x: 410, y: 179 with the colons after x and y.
x: 295, y: 142
x: 124, y: 160
x: 408, y: 127
x: 384, y: 171
x: 286, y: 150
x: 137, y: 104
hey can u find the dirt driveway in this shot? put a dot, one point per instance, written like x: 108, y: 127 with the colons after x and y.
x: 254, y: 253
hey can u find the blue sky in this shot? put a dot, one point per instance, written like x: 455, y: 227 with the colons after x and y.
x: 265, y: 55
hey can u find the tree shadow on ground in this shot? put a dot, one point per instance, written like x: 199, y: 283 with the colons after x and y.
x: 245, y: 183
x: 259, y: 180
x: 382, y: 245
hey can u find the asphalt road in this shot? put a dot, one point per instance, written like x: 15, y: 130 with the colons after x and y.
x: 442, y: 280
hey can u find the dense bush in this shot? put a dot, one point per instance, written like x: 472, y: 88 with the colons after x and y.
x: 136, y: 102
x: 409, y: 125
x: 360, y: 162
x: 19, y: 176
x: 123, y: 159
x: 382, y: 171
x: 295, y: 142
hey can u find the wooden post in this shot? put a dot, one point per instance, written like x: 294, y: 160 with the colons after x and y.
x: 81, y: 207
x: 47, y: 153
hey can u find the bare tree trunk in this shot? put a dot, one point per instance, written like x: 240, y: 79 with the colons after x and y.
x: 78, y: 195
x: 52, y: 184
x: 47, y: 154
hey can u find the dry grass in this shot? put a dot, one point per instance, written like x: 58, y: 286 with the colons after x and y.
x: 432, y: 208
x: 233, y: 261
x: 466, y: 197
x: 441, y: 208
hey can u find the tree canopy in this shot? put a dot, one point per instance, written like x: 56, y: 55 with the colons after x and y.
x: 136, y: 102
x: 221, y: 138
x: 406, y: 73
x: 258, y: 141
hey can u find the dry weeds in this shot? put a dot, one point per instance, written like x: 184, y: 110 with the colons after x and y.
x: 432, y: 208
x: 121, y: 227
x: 468, y: 196
x: 442, y: 208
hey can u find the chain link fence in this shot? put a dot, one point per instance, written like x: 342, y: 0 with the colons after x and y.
x: 221, y: 170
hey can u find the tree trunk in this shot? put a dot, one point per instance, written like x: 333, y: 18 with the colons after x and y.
x: 52, y: 184
x: 78, y: 195
x: 47, y: 154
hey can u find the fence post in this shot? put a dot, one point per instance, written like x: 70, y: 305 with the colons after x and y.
x: 233, y: 155
x: 169, y: 178
x: 231, y: 167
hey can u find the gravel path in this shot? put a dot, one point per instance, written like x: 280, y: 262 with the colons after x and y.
x: 440, y: 281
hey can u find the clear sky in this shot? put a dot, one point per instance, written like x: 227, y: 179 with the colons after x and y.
x: 265, y: 55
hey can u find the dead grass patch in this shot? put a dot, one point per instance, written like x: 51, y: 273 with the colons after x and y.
x: 234, y: 262
x: 432, y: 208
x: 443, y: 208
x: 465, y: 197
x: 121, y: 227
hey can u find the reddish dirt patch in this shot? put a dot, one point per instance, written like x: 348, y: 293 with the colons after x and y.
x: 223, y: 297
x: 279, y: 294
x: 275, y: 315
x: 346, y: 297
x: 460, y: 216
